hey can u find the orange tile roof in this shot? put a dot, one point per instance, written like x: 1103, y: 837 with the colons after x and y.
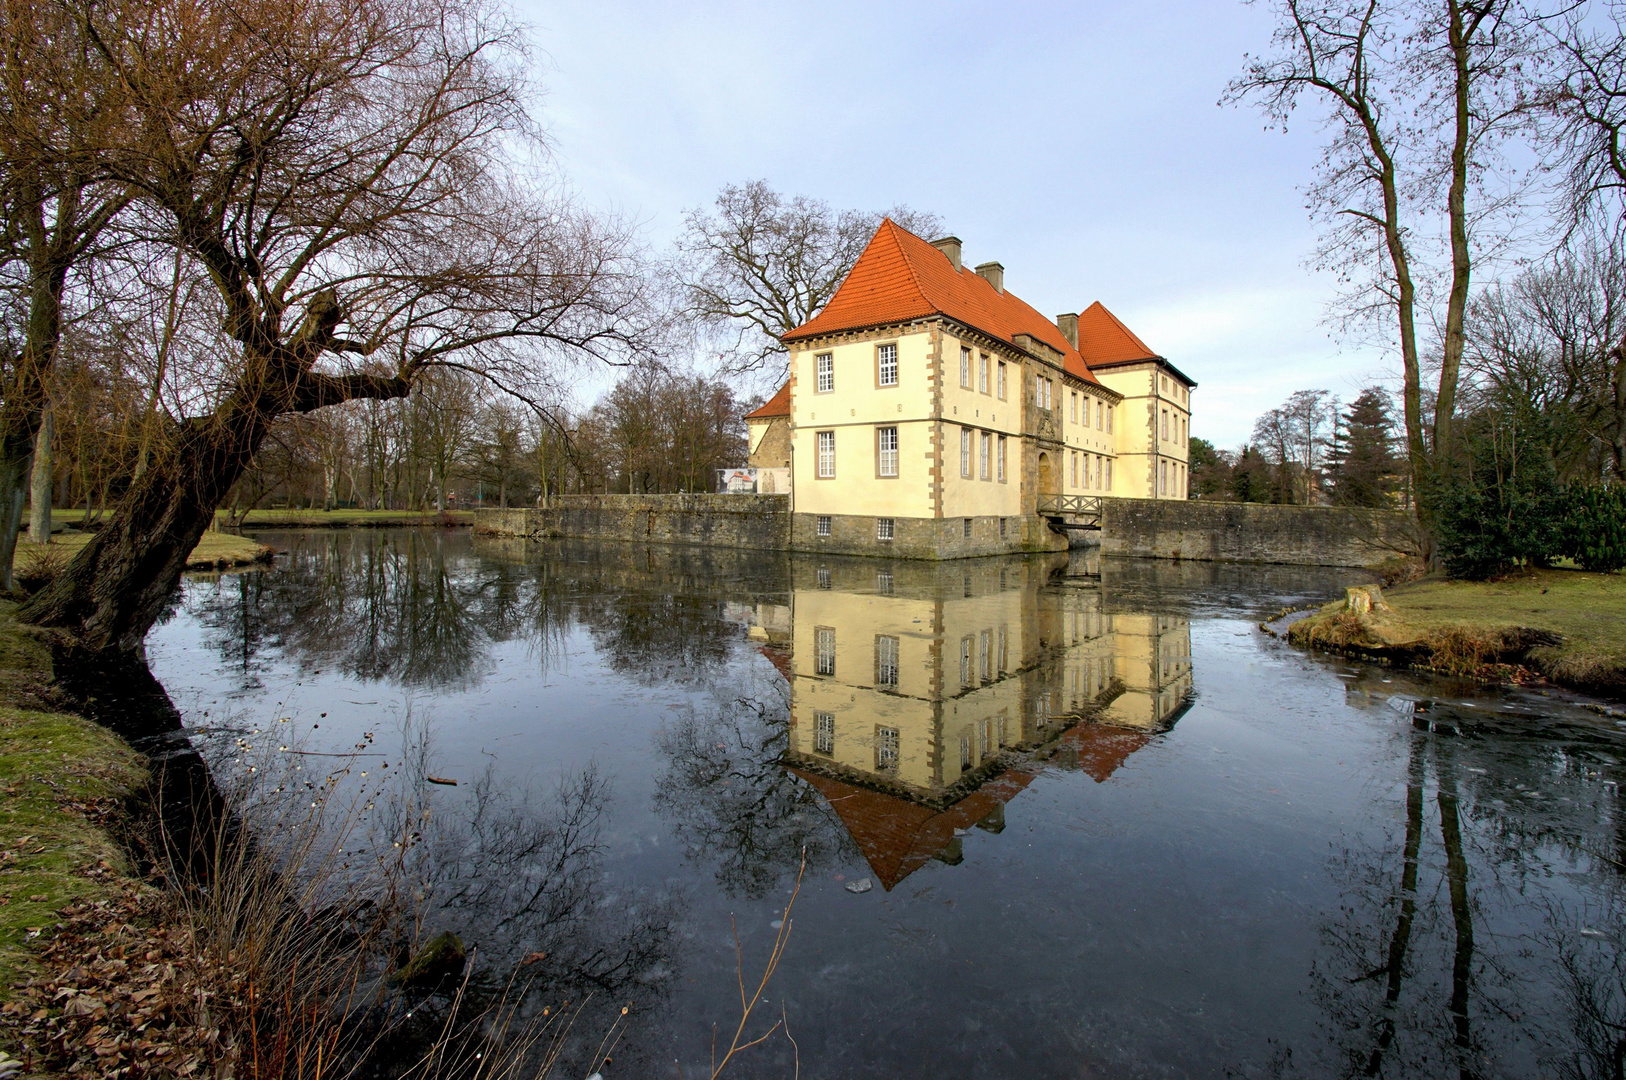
x: 778, y: 405
x: 901, y: 277
x: 1103, y: 339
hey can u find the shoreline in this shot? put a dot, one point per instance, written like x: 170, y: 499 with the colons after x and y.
x: 1564, y: 627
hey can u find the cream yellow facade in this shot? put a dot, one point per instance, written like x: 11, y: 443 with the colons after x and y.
x: 1155, y: 440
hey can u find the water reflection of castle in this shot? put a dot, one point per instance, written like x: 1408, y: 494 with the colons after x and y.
x: 924, y: 697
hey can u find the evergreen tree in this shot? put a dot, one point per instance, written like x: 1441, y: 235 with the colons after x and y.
x: 1363, y: 464
x: 1210, y: 471
x: 1252, y: 478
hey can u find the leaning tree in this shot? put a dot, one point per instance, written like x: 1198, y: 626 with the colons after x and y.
x: 360, y: 186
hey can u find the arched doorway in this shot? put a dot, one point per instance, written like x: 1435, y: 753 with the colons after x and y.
x: 1047, y: 482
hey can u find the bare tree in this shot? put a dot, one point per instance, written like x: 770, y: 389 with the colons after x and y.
x: 1418, y: 95
x: 342, y: 174
x: 760, y: 264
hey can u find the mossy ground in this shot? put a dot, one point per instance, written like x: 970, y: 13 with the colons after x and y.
x: 1458, y: 625
x: 61, y: 778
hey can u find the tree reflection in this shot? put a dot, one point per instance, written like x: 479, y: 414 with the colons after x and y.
x: 732, y: 802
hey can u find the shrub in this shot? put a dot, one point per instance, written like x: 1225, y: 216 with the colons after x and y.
x: 1594, y: 528
x: 1500, y: 505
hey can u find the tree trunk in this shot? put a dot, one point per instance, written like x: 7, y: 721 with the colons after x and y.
x: 39, y: 517
x: 116, y: 587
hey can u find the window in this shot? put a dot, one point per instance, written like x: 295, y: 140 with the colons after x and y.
x: 966, y: 582
x: 1164, y: 381
x: 827, y: 455
x: 982, y: 373
x: 1001, y: 380
x: 985, y: 454
x: 826, y: 372
x: 884, y: 528
x: 1075, y: 468
x: 1099, y: 409
x: 886, y: 361
x: 1002, y: 658
x: 824, y: 648
x: 1164, y: 425
x: 824, y: 577
x: 965, y: 751
x: 1109, y: 419
x: 886, y: 748
x: 965, y: 453
x: 1072, y: 409
x: 886, y: 660
x: 886, y: 451
x: 985, y: 655
x: 822, y: 528
x: 965, y: 367
x: 982, y: 741
x: 883, y: 583
x: 1106, y: 481
x: 967, y: 527
x: 1002, y: 528
x: 1001, y: 459
x: 824, y: 733
x: 1163, y: 478
x: 965, y: 661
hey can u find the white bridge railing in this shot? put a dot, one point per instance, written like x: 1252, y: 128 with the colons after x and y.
x: 1087, y: 507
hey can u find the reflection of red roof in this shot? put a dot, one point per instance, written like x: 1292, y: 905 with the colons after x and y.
x: 1102, y: 339
x: 901, y: 277
x: 1101, y: 748
x: 897, y: 836
x: 778, y: 658
x: 778, y: 405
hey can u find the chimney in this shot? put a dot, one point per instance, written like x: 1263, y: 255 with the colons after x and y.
x: 950, y: 246
x: 994, y: 274
x: 1068, y: 325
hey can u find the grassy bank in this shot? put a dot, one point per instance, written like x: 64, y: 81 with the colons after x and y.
x: 317, y: 519
x: 62, y: 779
x: 216, y: 551
x: 1568, y: 626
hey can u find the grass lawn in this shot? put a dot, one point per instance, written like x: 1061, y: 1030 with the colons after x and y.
x: 59, y: 775
x: 330, y: 519
x: 1516, y: 616
x: 216, y: 551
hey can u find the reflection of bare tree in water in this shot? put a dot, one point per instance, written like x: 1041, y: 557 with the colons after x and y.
x: 662, y: 637
x: 1428, y: 970
x: 731, y: 802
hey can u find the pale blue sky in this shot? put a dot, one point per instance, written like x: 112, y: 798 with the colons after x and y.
x: 1079, y: 145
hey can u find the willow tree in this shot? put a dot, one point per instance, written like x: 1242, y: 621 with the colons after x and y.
x: 355, y: 181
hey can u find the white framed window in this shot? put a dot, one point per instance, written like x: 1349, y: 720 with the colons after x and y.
x: 824, y: 577
x: 884, y: 528
x: 886, y: 747
x: 965, y: 751
x: 1100, y: 407
x: 1075, y: 468
x: 1163, y: 478
x: 985, y: 654
x: 886, y: 660
x: 1000, y: 461
x: 1002, y: 658
x: 827, y: 455
x: 886, y: 365
x: 886, y: 451
x: 965, y: 367
x: 1106, y: 482
x: 1109, y: 419
x: 985, y: 455
x: 883, y: 583
x: 965, y: 452
x: 1072, y: 409
x: 825, y: 365
x: 1164, y: 426
x: 824, y: 649
x: 822, y: 526
x: 1000, y: 382
x: 965, y: 661
x: 824, y: 733
x: 982, y: 373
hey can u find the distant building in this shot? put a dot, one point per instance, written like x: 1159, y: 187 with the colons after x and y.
x: 932, y: 413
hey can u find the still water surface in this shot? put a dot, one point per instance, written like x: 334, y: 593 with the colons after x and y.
x: 1062, y: 816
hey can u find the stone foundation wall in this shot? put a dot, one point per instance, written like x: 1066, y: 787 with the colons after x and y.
x: 1253, y: 532
x: 759, y: 522
x: 924, y: 538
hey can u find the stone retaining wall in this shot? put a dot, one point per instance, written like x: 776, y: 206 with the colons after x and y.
x: 760, y: 522
x: 1254, y: 532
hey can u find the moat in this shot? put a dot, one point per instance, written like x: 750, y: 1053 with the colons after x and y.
x: 1061, y: 815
